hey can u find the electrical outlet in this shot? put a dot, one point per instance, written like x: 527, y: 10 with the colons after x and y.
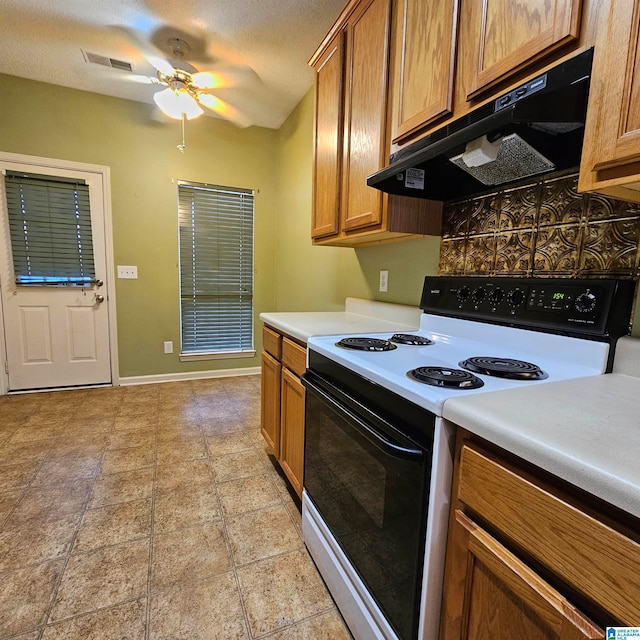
x: 168, y: 346
x: 128, y: 272
x: 384, y: 280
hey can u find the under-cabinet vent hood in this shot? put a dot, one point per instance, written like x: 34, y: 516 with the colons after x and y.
x: 534, y: 129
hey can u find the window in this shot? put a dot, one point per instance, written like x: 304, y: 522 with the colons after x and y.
x: 50, y: 228
x: 216, y: 270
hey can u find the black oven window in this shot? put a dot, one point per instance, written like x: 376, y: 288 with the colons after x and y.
x: 374, y: 504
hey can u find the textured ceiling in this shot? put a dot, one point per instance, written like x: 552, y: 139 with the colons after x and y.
x: 44, y: 39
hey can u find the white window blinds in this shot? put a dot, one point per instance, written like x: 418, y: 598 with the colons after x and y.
x: 216, y: 268
x: 50, y: 228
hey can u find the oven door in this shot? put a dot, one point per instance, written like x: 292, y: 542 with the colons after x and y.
x: 369, y: 484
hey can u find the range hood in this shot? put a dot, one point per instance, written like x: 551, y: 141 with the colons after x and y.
x: 534, y: 129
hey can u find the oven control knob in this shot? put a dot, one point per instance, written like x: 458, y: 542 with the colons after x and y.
x: 516, y: 297
x: 479, y: 295
x: 463, y: 294
x: 585, y: 302
x: 496, y: 296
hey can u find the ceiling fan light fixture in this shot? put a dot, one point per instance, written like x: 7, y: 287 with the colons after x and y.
x: 189, y: 105
x: 176, y: 102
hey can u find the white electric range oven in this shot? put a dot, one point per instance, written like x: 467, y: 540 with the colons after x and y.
x: 378, y: 456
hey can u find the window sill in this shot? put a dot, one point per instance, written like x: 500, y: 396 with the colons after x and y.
x: 220, y: 355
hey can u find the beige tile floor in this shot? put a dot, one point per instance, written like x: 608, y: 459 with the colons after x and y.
x: 150, y: 513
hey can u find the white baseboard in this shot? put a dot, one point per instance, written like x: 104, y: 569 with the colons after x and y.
x: 190, y: 375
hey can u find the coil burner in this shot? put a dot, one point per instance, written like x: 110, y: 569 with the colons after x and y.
x: 504, y: 368
x: 408, y: 338
x: 366, y: 344
x: 445, y: 377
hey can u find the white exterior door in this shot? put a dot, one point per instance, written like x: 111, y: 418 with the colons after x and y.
x: 56, y: 336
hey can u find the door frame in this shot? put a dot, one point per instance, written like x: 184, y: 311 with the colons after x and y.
x: 104, y: 173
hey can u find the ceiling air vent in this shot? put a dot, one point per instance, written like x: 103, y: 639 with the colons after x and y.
x: 94, y: 58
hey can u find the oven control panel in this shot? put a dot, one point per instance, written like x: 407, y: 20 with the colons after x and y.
x: 571, y: 306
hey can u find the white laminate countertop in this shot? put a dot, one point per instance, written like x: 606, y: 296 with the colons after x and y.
x: 584, y: 431
x: 359, y: 316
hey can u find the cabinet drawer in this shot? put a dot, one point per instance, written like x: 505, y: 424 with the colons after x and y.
x: 294, y: 357
x: 272, y: 342
x: 587, y: 554
x: 491, y: 593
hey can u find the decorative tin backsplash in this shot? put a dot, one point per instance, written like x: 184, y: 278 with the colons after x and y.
x: 544, y: 229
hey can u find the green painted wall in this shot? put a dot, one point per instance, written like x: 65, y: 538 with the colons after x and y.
x: 45, y: 120
x: 308, y: 278
x: 320, y: 278
x: 291, y: 275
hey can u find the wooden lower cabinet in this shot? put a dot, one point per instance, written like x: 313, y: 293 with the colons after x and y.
x: 499, y: 596
x: 530, y: 557
x: 292, y: 429
x: 282, y: 403
x: 270, y: 403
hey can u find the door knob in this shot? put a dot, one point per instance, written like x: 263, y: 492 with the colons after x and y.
x: 99, y: 299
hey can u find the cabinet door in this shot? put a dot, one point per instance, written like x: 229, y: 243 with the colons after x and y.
x: 292, y: 429
x: 490, y: 594
x: 516, y: 33
x: 329, y: 77
x: 365, y: 148
x: 612, y: 138
x: 270, y: 403
x: 424, y: 62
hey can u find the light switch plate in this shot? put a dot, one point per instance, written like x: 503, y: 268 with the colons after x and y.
x: 127, y: 272
x: 168, y: 346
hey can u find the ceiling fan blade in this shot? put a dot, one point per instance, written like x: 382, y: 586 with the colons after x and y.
x: 206, y: 80
x: 140, y: 79
x: 161, y: 65
x: 153, y: 56
x: 224, y: 76
x: 223, y: 109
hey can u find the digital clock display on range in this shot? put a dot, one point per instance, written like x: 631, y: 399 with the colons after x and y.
x: 551, y: 299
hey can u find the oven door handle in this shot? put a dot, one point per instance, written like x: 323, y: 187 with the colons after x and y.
x: 374, y: 437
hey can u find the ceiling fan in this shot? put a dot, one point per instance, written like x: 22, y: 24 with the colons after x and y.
x: 186, y: 90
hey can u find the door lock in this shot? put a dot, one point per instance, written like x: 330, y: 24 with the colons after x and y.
x: 99, y: 283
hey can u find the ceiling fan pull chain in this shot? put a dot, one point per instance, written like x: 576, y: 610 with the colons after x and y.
x: 183, y: 145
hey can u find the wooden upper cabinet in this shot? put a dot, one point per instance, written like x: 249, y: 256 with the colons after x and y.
x: 352, y: 135
x: 424, y: 64
x: 365, y: 147
x: 329, y: 77
x: 611, y: 152
x: 515, y: 33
